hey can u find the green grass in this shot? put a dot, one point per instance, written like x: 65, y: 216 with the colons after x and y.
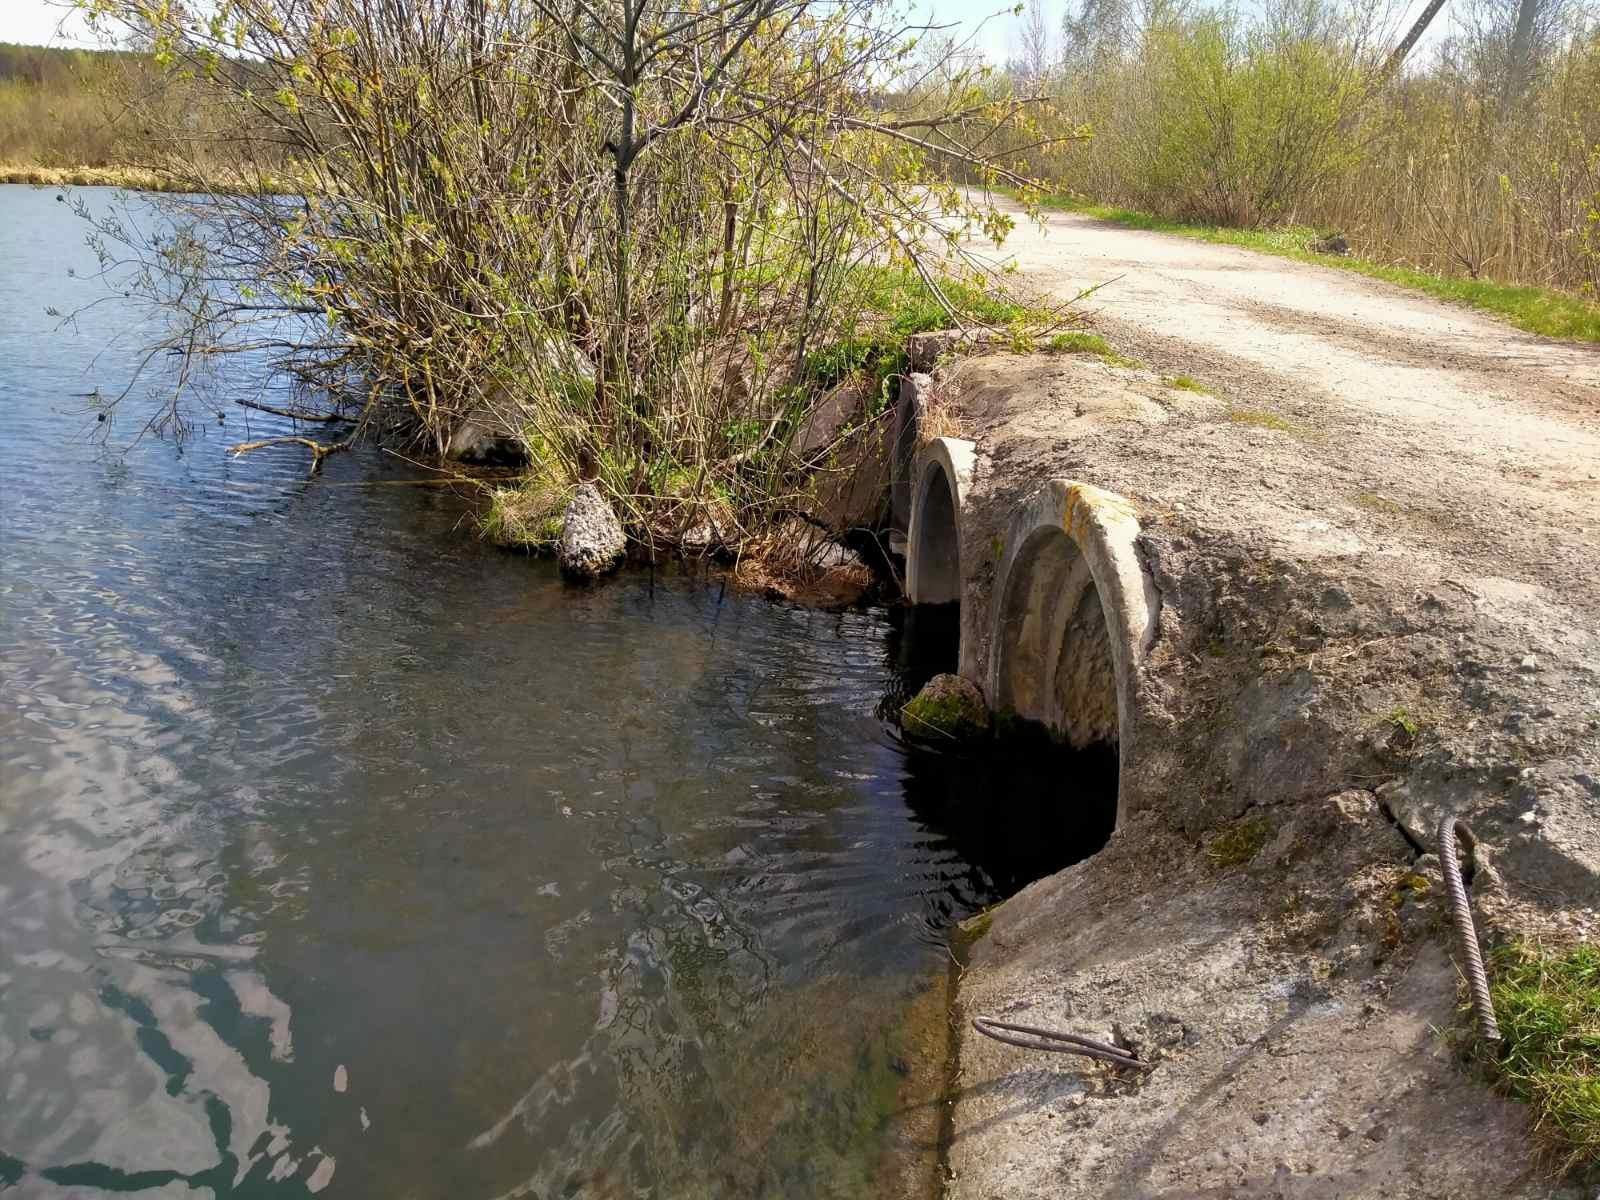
x: 1548, y: 1006
x: 526, y: 516
x: 906, y: 304
x: 1403, y: 721
x: 1078, y: 342
x: 1185, y: 383
x: 895, y: 304
x: 1537, y: 310
x: 1260, y: 419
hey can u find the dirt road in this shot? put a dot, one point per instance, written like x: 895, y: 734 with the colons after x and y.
x: 1274, y: 331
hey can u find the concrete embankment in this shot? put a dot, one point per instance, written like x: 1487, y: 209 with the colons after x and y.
x: 1311, y: 632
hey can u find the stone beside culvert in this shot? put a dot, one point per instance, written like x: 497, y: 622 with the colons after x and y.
x: 592, y: 540
x: 949, y: 709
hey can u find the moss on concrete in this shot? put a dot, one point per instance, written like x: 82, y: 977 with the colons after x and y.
x: 1239, y: 843
x: 974, y: 929
x: 1261, y: 419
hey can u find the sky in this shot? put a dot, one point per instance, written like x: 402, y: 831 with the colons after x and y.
x: 988, y: 22
x: 36, y: 22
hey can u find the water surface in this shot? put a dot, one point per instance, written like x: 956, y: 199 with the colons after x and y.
x: 341, y: 853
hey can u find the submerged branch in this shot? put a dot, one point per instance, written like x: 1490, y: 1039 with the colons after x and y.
x: 319, y: 450
x: 291, y: 413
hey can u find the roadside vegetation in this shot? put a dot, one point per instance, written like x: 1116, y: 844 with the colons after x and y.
x: 1466, y: 165
x: 621, y: 243
x: 1548, y: 1007
x: 1541, y: 310
x: 1077, y: 341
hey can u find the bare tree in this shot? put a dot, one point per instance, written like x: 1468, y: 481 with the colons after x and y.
x: 1505, y: 42
x: 1037, y: 52
x: 615, y: 229
x: 1097, y: 30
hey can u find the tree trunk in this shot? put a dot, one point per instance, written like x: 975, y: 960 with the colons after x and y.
x: 1520, y: 68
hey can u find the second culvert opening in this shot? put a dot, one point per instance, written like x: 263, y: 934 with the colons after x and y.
x: 1055, y: 675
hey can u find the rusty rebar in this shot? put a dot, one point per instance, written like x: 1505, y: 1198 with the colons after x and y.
x: 1030, y: 1037
x: 1450, y: 828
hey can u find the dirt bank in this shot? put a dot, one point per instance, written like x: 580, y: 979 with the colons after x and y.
x: 1375, y: 549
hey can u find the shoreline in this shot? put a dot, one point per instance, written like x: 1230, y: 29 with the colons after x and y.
x: 128, y: 178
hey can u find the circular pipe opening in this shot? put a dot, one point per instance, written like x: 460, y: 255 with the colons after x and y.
x: 1055, y: 663
x: 934, y: 568
x: 1074, y: 614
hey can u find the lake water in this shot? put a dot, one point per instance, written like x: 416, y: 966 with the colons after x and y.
x: 342, y: 853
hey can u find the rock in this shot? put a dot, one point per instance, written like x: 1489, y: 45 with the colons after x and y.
x: 592, y: 541
x: 832, y: 556
x: 491, y: 434
x: 484, y: 438
x: 927, y: 350
x: 852, y: 491
x: 948, y: 708
x: 1334, y: 243
x: 700, y: 538
x: 826, y: 422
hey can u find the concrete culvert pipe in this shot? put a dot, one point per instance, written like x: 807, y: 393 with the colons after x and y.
x: 1073, y: 616
x: 942, y: 475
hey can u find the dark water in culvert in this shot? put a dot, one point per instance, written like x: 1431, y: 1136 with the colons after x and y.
x: 340, y: 852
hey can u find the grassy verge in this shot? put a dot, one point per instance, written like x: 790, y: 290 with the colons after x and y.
x: 132, y: 178
x: 899, y: 297
x: 1548, y: 1006
x: 895, y: 303
x: 1078, y: 342
x: 1537, y: 310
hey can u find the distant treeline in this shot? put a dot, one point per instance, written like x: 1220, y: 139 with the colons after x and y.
x: 116, y: 117
x: 59, y: 107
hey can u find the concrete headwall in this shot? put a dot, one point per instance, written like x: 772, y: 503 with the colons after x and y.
x: 1302, y: 675
x: 1068, y: 608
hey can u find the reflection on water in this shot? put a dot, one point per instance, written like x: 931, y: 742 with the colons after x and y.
x: 342, y: 854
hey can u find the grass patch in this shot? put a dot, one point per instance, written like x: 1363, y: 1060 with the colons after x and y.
x: 1260, y: 419
x: 1239, y: 843
x: 879, y: 355
x: 1537, y: 310
x: 132, y: 179
x: 1548, y: 1005
x: 906, y: 305
x: 1403, y: 722
x: 1185, y: 383
x: 896, y: 304
x: 1076, y: 341
x: 527, y: 516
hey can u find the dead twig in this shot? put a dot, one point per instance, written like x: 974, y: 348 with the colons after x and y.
x: 319, y: 450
